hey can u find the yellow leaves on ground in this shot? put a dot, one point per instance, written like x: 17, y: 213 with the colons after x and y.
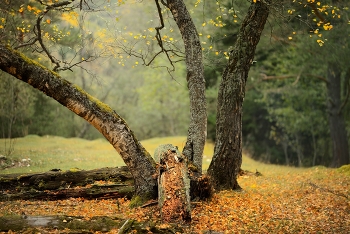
x: 287, y: 203
x: 287, y: 200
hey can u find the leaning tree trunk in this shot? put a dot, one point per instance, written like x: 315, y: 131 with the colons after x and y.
x: 102, y: 117
x: 340, y: 147
x: 197, y: 131
x: 227, y: 158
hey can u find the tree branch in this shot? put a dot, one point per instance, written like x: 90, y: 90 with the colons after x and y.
x: 267, y: 78
x: 158, y: 36
x: 39, y: 38
x: 317, y: 12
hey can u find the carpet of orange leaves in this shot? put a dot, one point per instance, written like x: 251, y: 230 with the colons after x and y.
x: 310, y: 201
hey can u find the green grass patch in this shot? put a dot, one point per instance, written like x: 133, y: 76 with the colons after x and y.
x: 37, y: 154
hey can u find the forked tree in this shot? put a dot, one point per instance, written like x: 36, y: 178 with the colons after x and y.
x: 227, y: 158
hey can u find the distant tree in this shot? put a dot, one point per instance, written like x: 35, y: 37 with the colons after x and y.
x: 315, y: 52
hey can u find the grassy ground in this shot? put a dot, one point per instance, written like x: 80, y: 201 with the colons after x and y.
x: 282, y: 200
x: 36, y: 154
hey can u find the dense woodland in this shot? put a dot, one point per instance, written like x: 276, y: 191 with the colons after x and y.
x: 299, y: 80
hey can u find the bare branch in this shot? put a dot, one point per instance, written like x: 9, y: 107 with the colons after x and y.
x: 38, y: 26
x: 61, y: 6
x: 298, y: 77
x: 158, y: 36
x: 267, y: 78
x: 35, y: 39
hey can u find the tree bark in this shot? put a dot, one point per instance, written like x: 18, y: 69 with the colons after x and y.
x: 173, y: 185
x: 102, y: 117
x: 227, y: 158
x: 340, y: 147
x: 197, y: 131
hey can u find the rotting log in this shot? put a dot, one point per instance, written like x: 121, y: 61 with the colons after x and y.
x: 173, y: 185
x: 58, y: 184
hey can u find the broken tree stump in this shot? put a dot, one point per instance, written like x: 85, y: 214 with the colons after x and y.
x: 173, y: 185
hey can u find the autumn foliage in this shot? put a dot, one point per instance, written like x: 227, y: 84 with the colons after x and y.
x: 282, y: 200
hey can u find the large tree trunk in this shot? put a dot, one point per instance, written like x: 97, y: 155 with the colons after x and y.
x: 197, y: 131
x: 340, y: 147
x: 102, y: 117
x: 227, y: 158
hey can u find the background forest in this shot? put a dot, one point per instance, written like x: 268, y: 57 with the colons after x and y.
x: 286, y: 118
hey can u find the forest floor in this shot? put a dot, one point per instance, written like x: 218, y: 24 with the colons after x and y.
x: 282, y: 200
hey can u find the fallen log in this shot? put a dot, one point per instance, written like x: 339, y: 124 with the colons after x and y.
x: 57, y: 184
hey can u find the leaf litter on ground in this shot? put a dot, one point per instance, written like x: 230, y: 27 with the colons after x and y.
x: 287, y: 200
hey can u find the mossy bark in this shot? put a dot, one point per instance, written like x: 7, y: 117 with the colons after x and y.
x: 227, y: 159
x: 103, y: 118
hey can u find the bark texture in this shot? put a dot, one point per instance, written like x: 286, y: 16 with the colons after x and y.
x: 173, y: 185
x: 197, y: 131
x: 103, y: 118
x: 227, y: 159
x: 340, y: 147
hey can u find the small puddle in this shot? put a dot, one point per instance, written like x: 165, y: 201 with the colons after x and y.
x: 41, y: 221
